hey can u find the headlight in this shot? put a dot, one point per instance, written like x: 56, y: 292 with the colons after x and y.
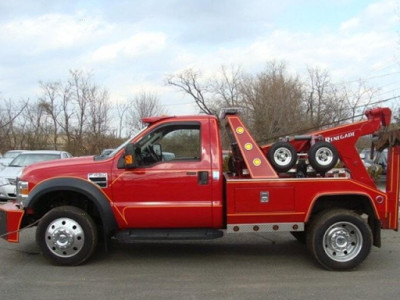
x: 4, y: 181
x: 22, y: 191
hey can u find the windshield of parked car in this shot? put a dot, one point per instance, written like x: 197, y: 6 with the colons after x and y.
x: 27, y: 159
x: 379, y: 157
x: 11, y: 154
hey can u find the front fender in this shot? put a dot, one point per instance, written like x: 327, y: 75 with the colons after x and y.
x: 84, y: 187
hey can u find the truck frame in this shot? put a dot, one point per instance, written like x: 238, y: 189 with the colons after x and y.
x: 138, y: 193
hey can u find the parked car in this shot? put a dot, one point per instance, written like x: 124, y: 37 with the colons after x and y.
x: 8, y: 157
x: 377, y: 162
x: 8, y: 176
x: 106, y: 152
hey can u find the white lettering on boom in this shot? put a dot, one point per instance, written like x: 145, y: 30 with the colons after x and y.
x: 340, y: 137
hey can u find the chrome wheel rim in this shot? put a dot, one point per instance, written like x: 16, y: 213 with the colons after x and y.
x: 324, y: 156
x: 342, y: 241
x: 282, y: 156
x: 64, y: 237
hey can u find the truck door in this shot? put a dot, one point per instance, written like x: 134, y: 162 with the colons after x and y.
x: 171, y: 187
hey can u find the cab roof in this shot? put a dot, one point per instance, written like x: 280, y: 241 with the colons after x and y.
x: 152, y: 120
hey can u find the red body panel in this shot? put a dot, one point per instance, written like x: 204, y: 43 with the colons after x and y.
x: 167, y: 194
x: 290, y: 200
x: 12, y: 215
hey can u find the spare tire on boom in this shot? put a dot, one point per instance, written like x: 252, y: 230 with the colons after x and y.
x: 323, y: 156
x: 282, y: 156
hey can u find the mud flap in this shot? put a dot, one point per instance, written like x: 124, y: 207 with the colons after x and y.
x: 10, y: 222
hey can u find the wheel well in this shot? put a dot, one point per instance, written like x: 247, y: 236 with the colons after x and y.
x: 358, y: 203
x: 58, y: 198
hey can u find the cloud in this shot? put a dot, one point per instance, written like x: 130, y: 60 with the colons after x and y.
x: 349, y: 24
x: 376, y: 16
x: 143, y: 43
x: 131, y: 45
x: 51, y: 32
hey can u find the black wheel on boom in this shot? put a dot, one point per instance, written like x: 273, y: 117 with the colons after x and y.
x: 323, y: 156
x: 282, y: 156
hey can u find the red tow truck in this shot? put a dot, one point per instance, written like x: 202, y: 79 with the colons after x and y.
x: 167, y: 182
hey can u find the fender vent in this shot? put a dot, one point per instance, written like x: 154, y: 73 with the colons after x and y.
x: 101, y: 179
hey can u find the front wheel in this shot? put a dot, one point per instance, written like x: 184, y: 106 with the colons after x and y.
x: 67, y: 235
x: 339, y: 239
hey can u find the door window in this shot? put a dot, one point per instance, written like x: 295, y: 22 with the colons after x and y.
x: 177, y: 142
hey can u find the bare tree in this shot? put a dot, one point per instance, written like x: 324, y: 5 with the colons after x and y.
x: 66, y: 115
x: 10, y: 114
x: 143, y: 105
x: 98, y: 119
x: 50, y: 104
x: 273, y: 102
x: 37, y: 129
x: 227, y: 86
x: 80, y: 85
x: 358, y: 99
x: 324, y: 103
x: 121, y: 108
x: 189, y: 82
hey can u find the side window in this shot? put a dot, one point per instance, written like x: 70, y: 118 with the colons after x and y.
x: 175, y: 142
x: 181, y: 144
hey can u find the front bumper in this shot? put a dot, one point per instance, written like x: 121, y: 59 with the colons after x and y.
x: 10, y: 221
x: 7, y: 192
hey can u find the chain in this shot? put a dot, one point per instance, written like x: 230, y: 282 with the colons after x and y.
x: 21, y: 229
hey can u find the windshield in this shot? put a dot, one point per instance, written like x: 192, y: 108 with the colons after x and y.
x: 12, y: 154
x: 27, y: 159
x: 125, y: 143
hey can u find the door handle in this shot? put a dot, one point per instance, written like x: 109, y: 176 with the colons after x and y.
x: 202, y: 177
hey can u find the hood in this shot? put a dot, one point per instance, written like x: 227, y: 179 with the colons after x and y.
x: 60, y: 163
x: 11, y: 172
x: 77, y: 167
x: 5, y: 161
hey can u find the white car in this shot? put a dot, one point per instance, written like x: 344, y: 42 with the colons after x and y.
x: 8, y: 157
x: 378, y: 161
x: 8, y: 176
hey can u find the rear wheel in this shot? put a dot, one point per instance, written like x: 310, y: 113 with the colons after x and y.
x: 67, y: 235
x: 282, y: 156
x: 339, y: 239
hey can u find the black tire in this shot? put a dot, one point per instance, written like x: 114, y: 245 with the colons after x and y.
x: 339, y: 239
x: 67, y: 236
x: 282, y: 156
x: 299, y: 236
x: 323, y: 156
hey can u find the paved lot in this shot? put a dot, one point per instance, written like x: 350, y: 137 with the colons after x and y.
x: 256, y: 266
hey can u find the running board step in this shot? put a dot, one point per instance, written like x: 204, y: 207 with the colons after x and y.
x: 131, y: 235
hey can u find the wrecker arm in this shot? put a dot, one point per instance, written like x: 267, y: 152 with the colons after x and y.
x: 344, y: 138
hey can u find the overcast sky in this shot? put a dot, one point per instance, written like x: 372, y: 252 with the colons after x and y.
x: 130, y: 46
